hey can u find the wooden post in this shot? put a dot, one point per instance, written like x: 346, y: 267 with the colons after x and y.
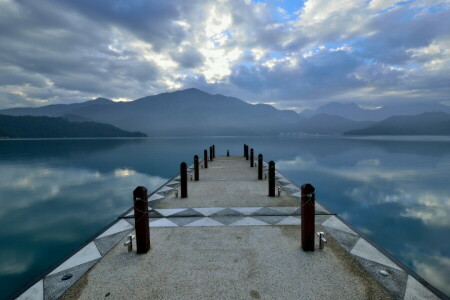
x: 271, y: 178
x: 214, y: 150
x: 246, y: 152
x: 245, y: 145
x: 252, y: 158
x: 205, y: 159
x: 183, y: 180
x: 260, y: 167
x: 307, y: 216
x: 196, y: 177
x: 141, y: 222
x: 228, y: 152
x: 210, y: 153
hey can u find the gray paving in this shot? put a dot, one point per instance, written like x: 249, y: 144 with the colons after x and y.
x: 227, y: 263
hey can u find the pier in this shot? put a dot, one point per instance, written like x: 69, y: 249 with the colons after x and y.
x: 222, y: 230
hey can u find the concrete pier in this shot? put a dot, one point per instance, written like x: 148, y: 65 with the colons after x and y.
x: 229, y: 240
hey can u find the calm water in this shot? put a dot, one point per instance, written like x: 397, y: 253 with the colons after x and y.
x: 55, y: 194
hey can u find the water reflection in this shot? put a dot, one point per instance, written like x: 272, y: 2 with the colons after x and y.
x: 48, y: 211
x: 57, y: 193
x: 398, y: 197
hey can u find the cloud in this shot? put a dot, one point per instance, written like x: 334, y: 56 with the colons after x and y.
x: 369, y: 52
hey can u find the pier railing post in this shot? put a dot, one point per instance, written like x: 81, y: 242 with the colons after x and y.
x: 196, y: 177
x: 214, y: 151
x: 271, y: 178
x: 260, y: 167
x: 205, y: 159
x: 252, y: 158
x: 141, y: 222
x: 245, y: 146
x: 183, y: 180
x: 246, y: 152
x: 307, y: 216
x: 210, y: 153
x: 228, y: 152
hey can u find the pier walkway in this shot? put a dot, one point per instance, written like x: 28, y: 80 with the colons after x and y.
x: 229, y: 240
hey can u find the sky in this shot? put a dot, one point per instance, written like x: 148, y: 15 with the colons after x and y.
x: 290, y: 54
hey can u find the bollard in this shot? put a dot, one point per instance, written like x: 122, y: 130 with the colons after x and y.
x: 205, y: 158
x: 252, y: 158
x: 196, y: 177
x: 307, y: 216
x: 210, y: 153
x: 141, y: 222
x: 271, y: 179
x: 245, y: 145
x: 228, y: 152
x: 183, y: 180
x: 246, y: 152
x: 260, y: 167
x: 214, y: 150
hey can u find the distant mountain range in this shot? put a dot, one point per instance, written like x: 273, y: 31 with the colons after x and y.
x: 48, y: 127
x: 354, y: 112
x: 192, y: 112
x: 431, y: 123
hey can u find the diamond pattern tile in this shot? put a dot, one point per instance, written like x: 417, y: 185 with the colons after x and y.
x: 205, y: 222
x: 365, y: 250
x: 265, y: 211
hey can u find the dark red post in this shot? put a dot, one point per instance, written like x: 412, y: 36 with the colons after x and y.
x: 271, y: 178
x: 210, y: 153
x: 141, y: 222
x: 245, y: 145
x: 228, y: 152
x: 183, y: 180
x: 260, y: 167
x: 196, y: 176
x: 214, y: 151
x: 246, y: 152
x: 252, y: 158
x: 307, y: 216
x: 205, y: 159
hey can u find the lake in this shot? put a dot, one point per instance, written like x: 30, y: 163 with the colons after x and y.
x: 56, y: 194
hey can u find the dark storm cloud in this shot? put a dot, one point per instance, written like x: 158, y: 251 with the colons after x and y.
x: 188, y: 58
x: 64, y: 50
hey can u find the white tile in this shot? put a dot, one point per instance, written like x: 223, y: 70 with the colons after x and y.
x: 367, y: 251
x: 204, y: 222
x: 36, y: 292
x: 165, y: 189
x: 416, y: 291
x: 285, y: 210
x: 337, y: 224
x: 289, y: 221
x: 155, y: 197
x: 247, y: 221
x: 86, y: 254
x: 291, y: 186
x: 122, y: 225
x: 170, y: 211
x: 207, y: 211
x: 162, y: 223
x: 246, y: 210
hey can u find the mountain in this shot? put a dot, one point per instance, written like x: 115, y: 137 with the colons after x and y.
x: 49, y: 127
x: 180, y: 113
x: 434, y: 123
x: 328, y: 125
x: 354, y: 112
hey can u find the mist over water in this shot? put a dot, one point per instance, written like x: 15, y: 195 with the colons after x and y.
x: 56, y: 194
